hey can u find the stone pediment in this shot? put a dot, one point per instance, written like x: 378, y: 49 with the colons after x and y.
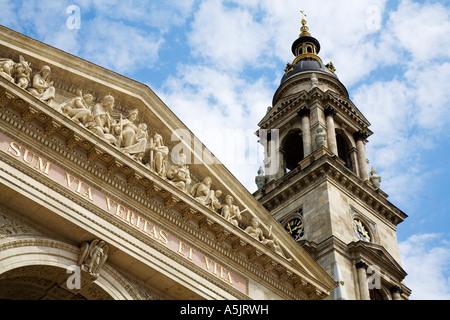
x: 377, y: 255
x: 116, y: 128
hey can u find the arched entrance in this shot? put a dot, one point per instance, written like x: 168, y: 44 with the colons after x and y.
x: 40, y: 282
x: 43, y: 269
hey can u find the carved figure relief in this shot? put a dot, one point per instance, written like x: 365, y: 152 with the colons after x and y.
x: 79, y: 108
x: 158, y: 155
x: 6, y: 69
x: 101, y: 122
x: 213, y: 202
x: 179, y: 174
x: 201, y: 190
x: 42, y: 88
x: 93, y: 256
x: 231, y: 212
x: 132, y: 139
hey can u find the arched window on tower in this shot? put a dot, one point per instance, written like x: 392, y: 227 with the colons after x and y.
x: 344, y: 151
x: 293, y: 150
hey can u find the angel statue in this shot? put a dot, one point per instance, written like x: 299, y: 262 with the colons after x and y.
x: 93, y: 256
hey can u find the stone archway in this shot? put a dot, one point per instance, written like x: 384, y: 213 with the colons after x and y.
x: 38, y: 268
x: 41, y: 282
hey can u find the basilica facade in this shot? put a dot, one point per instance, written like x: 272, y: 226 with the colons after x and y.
x: 107, y: 195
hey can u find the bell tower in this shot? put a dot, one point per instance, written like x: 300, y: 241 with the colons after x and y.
x: 316, y: 181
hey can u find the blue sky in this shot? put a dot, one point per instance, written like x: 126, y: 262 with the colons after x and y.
x: 217, y: 64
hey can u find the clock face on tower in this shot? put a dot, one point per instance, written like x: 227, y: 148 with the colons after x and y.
x: 360, y: 230
x: 295, y: 228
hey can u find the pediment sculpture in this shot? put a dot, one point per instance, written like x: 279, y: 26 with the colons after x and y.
x: 122, y: 130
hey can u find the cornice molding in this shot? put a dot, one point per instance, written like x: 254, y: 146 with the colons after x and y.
x: 327, y: 169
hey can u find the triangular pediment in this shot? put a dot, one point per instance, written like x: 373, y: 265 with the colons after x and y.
x: 129, y: 151
x: 378, y: 255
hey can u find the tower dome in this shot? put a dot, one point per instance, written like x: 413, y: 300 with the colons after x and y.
x: 306, y: 49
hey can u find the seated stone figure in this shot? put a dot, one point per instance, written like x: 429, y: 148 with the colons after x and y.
x: 201, y: 191
x: 255, y: 231
x: 42, y: 88
x: 6, y: 69
x: 231, y: 212
x: 212, y: 201
x: 79, y: 108
x: 101, y: 121
x: 180, y: 174
x: 132, y: 140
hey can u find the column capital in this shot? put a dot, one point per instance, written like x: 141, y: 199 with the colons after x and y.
x: 360, y: 135
x: 330, y: 111
x: 396, y: 289
x: 361, y: 264
x: 303, y: 112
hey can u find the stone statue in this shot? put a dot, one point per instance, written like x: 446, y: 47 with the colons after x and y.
x: 22, y: 73
x: 179, y: 174
x: 132, y: 140
x: 42, y: 88
x: 213, y: 202
x: 231, y: 212
x: 321, y: 138
x: 79, y: 108
x: 201, y: 191
x: 260, y: 179
x: 6, y: 69
x: 93, y: 256
x: 272, y: 242
x: 314, y: 81
x: 374, y: 178
x: 101, y: 121
x: 158, y: 155
x: 255, y: 231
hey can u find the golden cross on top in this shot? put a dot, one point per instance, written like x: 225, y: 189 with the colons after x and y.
x: 303, y: 13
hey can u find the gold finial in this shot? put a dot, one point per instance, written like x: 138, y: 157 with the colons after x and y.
x: 304, y: 29
x: 304, y: 17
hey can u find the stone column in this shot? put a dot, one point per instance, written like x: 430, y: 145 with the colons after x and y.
x: 396, y: 293
x: 331, y: 131
x: 362, y: 280
x: 362, y: 157
x: 306, y: 131
x: 282, y: 163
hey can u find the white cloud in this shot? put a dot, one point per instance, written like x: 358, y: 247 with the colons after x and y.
x: 222, y: 110
x: 426, y: 258
x: 118, y: 46
x: 422, y: 29
x: 227, y: 37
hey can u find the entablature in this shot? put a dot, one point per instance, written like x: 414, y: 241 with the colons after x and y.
x: 326, y: 168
